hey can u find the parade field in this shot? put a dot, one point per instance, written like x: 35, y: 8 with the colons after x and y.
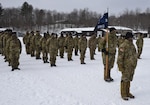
x: 70, y: 83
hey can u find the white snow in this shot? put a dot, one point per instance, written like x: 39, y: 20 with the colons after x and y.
x: 71, y: 83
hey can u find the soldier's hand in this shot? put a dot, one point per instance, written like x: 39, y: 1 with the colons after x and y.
x: 66, y: 47
x: 105, y: 52
x: 20, y: 51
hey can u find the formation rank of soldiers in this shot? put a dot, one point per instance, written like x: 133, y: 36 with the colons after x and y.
x: 35, y: 44
x: 50, y: 44
x: 10, y: 48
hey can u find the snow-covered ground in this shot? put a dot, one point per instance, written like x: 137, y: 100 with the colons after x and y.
x: 71, y: 83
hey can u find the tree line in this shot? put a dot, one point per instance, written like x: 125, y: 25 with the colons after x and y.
x: 28, y: 18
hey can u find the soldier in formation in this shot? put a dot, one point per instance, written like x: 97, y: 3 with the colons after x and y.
x: 139, y: 44
x: 10, y: 48
x: 43, y: 47
x: 127, y: 62
x: 37, y: 38
x: 92, y: 43
x: 15, y: 49
x: 1, y: 42
x: 69, y: 43
x: 6, y: 37
x: 32, y: 44
x: 110, y: 52
x: 82, y: 47
x: 26, y: 41
x: 98, y: 41
x: 76, y: 41
x: 61, y: 45
x: 52, y: 47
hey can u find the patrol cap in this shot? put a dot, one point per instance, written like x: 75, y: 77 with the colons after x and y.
x: 52, y: 34
x: 128, y: 35
x: 14, y: 33
x: 112, y: 29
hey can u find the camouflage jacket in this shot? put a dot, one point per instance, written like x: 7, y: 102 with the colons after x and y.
x: 139, y: 42
x: 112, y: 43
x: 82, y: 43
x: 127, y: 57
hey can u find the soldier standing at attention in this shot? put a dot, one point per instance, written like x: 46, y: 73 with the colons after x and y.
x: 70, y: 45
x: 112, y: 44
x: 1, y: 43
x: 32, y: 44
x: 82, y: 47
x: 76, y: 40
x: 43, y: 47
x: 52, y: 45
x: 127, y: 62
x: 26, y: 42
x: 139, y: 44
x: 98, y: 41
x: 61, y: 44
x: 92, y: 46
x: 37, y: 38
x: 15, y: 49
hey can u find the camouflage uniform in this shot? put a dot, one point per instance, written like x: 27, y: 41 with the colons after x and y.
x: 37, y: 38
x: 76, y: 40
x: 66, y: 37
x: 44, y: 49
x: 7, y: 39
x: 120, y: 40
x: 127, y: 62
x: 1, y: 43
x: 112, y: 44
x: 7, y: 49
x: 52, y: 44
x: 15, y: 51
x: 139, y: 44
x: 82, y: 48
x: 92, y: 46
x: 98, y: 41
x: 32, y: 44
x: 26, y: 41
x: 61, y: 44
x: 70, y: 45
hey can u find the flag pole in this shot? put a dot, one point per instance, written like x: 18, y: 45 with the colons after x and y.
x: 106, y: 71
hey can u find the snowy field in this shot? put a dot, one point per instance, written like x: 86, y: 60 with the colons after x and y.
x: 71, y: 83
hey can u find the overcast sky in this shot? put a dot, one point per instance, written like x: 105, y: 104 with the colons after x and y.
x: 115, y: 6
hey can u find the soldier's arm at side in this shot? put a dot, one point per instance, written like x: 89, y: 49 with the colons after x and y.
x: 120, y: 60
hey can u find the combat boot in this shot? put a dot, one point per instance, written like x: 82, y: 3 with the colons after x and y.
x: 108, y: 73
x: 83, y: 63
x: 123, y: 89
x: 128, y: 90
x: 108, y: 80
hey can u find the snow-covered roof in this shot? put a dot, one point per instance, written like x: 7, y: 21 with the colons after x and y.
x: 144, y: 32
x: 2, y: 29
x: 80, y: 30
x: 121, y: 28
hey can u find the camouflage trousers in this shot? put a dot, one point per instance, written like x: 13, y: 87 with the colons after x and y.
x: 82, y: 55
x: 139, y: 51
x: 53, y: 55
x: 14, y: 59
x: 61, y: 52
x: 111, y: 60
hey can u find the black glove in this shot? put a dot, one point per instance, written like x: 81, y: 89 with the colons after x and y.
x: 66, y: 47
x: 105, y: 52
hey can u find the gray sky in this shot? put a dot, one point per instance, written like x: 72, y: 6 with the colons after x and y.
x: 115, y: 6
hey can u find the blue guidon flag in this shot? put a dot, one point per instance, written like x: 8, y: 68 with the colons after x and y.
x: 102, y: 23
